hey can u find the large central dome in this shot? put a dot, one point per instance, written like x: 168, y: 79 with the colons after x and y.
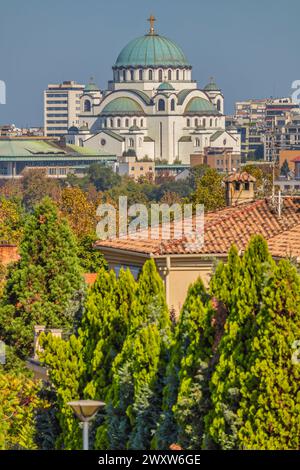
x: 151, y: 50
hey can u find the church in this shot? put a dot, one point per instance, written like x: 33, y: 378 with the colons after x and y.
x: 152, y: 107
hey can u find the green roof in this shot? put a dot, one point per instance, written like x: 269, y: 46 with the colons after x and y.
x: 123, y: 105
x: 113, y: 134
x: 182, y: 95
x: 151, y: 50
x: 216, y: 135
x: 165, y: 86
x: 185, y: 138
x: 199, y: 105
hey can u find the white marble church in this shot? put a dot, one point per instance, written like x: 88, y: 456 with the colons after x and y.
x: 153, y: 106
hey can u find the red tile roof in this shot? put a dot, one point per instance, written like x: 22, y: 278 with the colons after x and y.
x: 240, y: 177
x: 227, y: 226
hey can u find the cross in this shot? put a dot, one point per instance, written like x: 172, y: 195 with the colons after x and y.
x: 151, y: 21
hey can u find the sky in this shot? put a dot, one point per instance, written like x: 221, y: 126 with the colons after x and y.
x: 251, y: 48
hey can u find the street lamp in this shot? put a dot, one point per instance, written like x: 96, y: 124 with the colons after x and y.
x: 86, y: 410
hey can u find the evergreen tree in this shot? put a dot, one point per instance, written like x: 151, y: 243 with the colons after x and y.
x: 66, y: 367
x: 41, y: 287
x: 270, y: 405
x: 224, y: 420
x: 140, y: 366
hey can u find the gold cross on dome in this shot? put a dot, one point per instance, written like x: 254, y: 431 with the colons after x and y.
x: 151, y: 20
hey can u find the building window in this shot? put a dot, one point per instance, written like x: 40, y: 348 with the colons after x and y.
x: 172, y: 105
x: 119, y: 123
x: 216, y: 122
x: 196, y: 122
x: 169, y: 74
x: 131, y: 143
x: 87, y: 106
x: 237, y: 185
x: 127, y: 123
x: 161, y: 105
x: 219, y: 105
x: 142, y: 122
x: 111, y: 123
x: 103, y: 142
x: 197, y: 142
x: 210, y: 122
x: 160, y: 76
x: 134, y: 122
x: 124, y: 76
x: 184, y: 75
x: 204, y: 122
x: 177, y: 74
x: 247, y: 186
x: 131, y: 75
x: 140, y: 74
x: 80, y: 143
x: 150, y: 75
x: 188, y: 123
x: 105, y: 123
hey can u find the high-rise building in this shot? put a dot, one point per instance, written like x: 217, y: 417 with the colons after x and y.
x: 61, y: 107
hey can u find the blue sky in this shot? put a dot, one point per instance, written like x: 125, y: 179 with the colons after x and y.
x: 250, y: 47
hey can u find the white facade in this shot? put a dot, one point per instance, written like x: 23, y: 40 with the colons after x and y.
x: 152, y: 106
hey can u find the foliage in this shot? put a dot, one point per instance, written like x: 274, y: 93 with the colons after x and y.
x: 103, y: 177
x: 91, y: 260
x: 19, y: 403
x: 210, y: 191
x: 40, y: 288
x: 11, y: 221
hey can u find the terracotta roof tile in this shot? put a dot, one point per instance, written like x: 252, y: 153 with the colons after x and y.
x: 227, y: 226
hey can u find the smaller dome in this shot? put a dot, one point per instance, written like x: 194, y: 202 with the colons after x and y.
x: 84, y: 127
x: 91, y: 87
x: 73, y: 130
x: 165, y: 86
x: 199, y: 105
x: 134, y: 128
x: 211, y: 86
x: 123, y: 105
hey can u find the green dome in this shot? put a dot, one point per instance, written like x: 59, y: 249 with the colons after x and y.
x: 165, y: 86
x: 123, y: 106
x: 151, y: 50
x: 200, y: 106
x: 211, y: 86
x: 91, y: 87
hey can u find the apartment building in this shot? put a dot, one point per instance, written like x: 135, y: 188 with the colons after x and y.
x: 61, y: 107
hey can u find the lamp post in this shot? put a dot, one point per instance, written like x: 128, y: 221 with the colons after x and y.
x: 86, y: 410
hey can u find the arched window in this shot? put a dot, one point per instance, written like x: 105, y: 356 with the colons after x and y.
x: 87, y: 106
x: 124, y: 76
x: 140, y: 74
x: 196, y: 122
x: 161, y: 105
x: 173, y: 105
x: 105, y: 123
x: 197, y: 142
x: 188, y: 123
x: 119, y: 123
x: 131, y: 75
x: 150, y: 74
x: 210, y: 123
x: 126, y: 122
x: 216, y: 122
x: 134, y: 122
x: 183, y: 75
x: 160, y: 75
x: 219, y: 105
x: 142, y: 122
x: 177, y: 74
x: 169, y: 74
x: 131, y: 143
x: 204, y: 122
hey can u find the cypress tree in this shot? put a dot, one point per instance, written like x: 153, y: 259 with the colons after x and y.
x: 223, y: 421
x: 41, y: 288
x: 270, y: 405
x: 140, y: 367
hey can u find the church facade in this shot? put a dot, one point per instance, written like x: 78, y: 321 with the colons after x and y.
x: 152, y: 107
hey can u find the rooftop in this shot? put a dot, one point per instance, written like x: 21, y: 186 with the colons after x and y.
x: 233, y: 225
